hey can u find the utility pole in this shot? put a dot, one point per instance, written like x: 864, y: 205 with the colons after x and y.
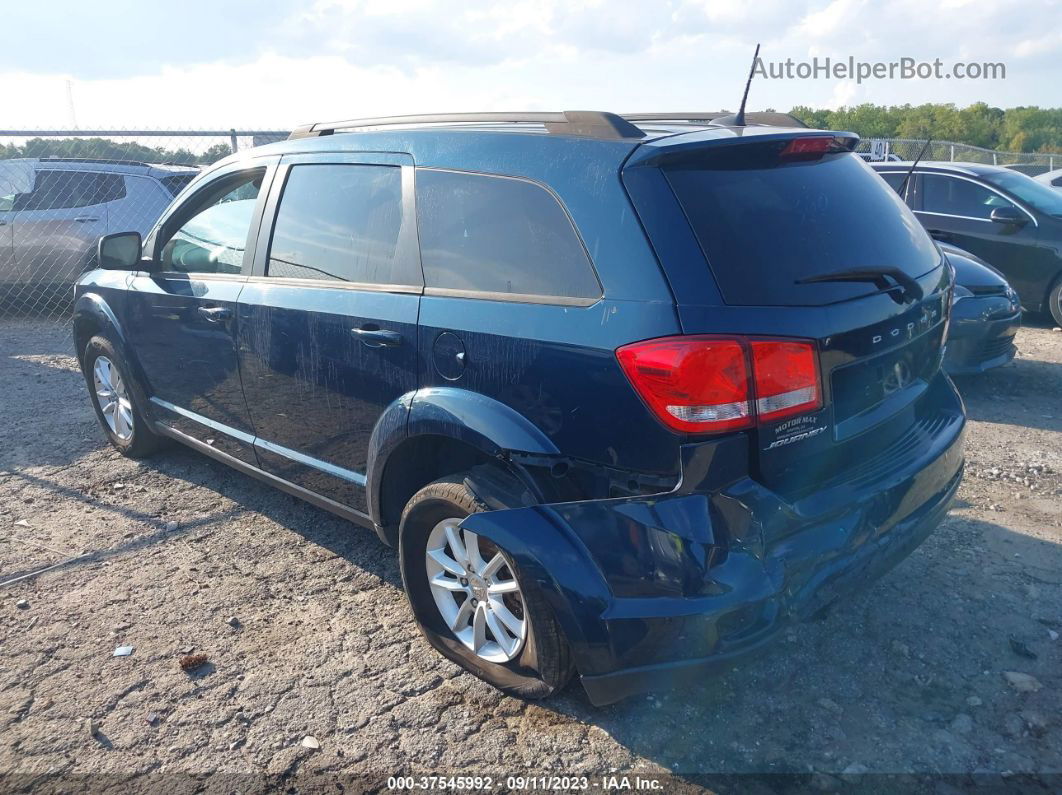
x: 70, y: 104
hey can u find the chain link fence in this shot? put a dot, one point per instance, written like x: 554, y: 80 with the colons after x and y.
x: 60, y: 190
x: 1031, y: 163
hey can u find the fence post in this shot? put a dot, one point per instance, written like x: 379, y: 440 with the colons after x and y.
x: 232, y: 138
x: 953, y: 153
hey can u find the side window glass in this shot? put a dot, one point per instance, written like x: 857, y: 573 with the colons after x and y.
x: 499, y: 235
x: 59, y: 190
x: 213, y: 238
x: 341, y: 223
x: 941, y: 194
x: 895, y: 179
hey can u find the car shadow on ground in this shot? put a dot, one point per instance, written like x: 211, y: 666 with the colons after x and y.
x: 358, y: 546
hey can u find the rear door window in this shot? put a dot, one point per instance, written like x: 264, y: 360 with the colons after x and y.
x: 58, y: 190
x: 953, y: 196
x: 895, y: 179
x: 341, y: 223
x: 765, y: 224
x: 499, y: 236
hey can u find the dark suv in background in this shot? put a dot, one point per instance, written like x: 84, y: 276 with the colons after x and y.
x: 1003, y: 216
x: 628, y: 394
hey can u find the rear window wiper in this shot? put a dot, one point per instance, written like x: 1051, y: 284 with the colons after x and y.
x: 877, y: 276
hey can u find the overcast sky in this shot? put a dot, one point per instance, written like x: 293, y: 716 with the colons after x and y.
x: 276, y: 63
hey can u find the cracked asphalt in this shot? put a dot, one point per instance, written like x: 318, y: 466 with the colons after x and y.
x: 949, y: 664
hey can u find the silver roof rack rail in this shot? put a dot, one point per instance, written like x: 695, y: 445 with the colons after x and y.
x: 583, y: 123
x: 769, y: 118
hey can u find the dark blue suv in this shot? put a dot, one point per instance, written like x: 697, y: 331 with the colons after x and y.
x: 628, y: 394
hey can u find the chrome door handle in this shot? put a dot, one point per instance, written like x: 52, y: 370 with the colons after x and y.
x: 377, y: 337
x: 85, y: 220
x: 214, y: 314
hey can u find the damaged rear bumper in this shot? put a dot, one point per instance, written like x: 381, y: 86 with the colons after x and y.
x: 659, y: 590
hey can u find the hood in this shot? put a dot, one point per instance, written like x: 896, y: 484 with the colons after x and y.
x: 974, y: 273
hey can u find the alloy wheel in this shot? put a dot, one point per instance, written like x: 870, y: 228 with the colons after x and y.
x: 476, y: 591
x: 113, y: 399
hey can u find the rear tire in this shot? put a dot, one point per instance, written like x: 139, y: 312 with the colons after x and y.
x: 533, y: 666
x: 1054, y: 302
x: 118, y: 400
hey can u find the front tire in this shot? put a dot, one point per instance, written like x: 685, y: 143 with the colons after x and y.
x: 470, y: 600
x: 116, y: 397
x: 1054, y: 302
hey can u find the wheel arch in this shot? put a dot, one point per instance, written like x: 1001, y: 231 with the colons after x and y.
x: 431, y: 433
x: 93, y: 315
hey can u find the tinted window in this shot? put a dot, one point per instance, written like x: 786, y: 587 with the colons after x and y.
x: 764, y: 224
x: 498, y: 235
x: 894, y: 178
x: 213, y: 239
x: 58, y: 190
x: 175, y: 184
x: 953, y: 196
x: 341, y: 223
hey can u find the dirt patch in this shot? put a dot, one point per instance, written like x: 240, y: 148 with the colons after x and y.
x: 306, y: 631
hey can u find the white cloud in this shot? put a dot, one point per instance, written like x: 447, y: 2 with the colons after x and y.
x: 838, y: 17
x: 343, y: 58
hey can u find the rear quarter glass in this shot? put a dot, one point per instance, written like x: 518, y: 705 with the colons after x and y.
x: 764, y: 224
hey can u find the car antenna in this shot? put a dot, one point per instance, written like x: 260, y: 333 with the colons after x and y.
x: 738, y: 119
x: 903, y: 185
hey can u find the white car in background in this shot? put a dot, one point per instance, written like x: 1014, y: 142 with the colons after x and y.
x: 53, y: 210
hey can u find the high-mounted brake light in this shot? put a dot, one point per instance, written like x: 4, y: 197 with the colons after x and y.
x: 707, y: 384
x: 809, y: 148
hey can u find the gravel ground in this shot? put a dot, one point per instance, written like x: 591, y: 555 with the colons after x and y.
x: 307, y: 631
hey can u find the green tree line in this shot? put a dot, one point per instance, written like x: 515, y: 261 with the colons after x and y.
x: 111, y: 150
x: 1022, y: 129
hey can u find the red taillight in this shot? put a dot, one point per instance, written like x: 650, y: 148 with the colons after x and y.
x: 787, y: 378
x: 693, y: 384
x: 706, y: 385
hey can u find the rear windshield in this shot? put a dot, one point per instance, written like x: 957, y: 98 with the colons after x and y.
x: 765, y: 224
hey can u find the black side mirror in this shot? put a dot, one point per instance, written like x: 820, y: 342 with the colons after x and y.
x: 119, y: 252
x: 1009, y: 215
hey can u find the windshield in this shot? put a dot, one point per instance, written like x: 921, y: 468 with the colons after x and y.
x: 765, y: 225
x: 1035, y: 194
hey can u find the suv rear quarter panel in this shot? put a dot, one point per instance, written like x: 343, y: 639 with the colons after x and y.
x: 553, y: 363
